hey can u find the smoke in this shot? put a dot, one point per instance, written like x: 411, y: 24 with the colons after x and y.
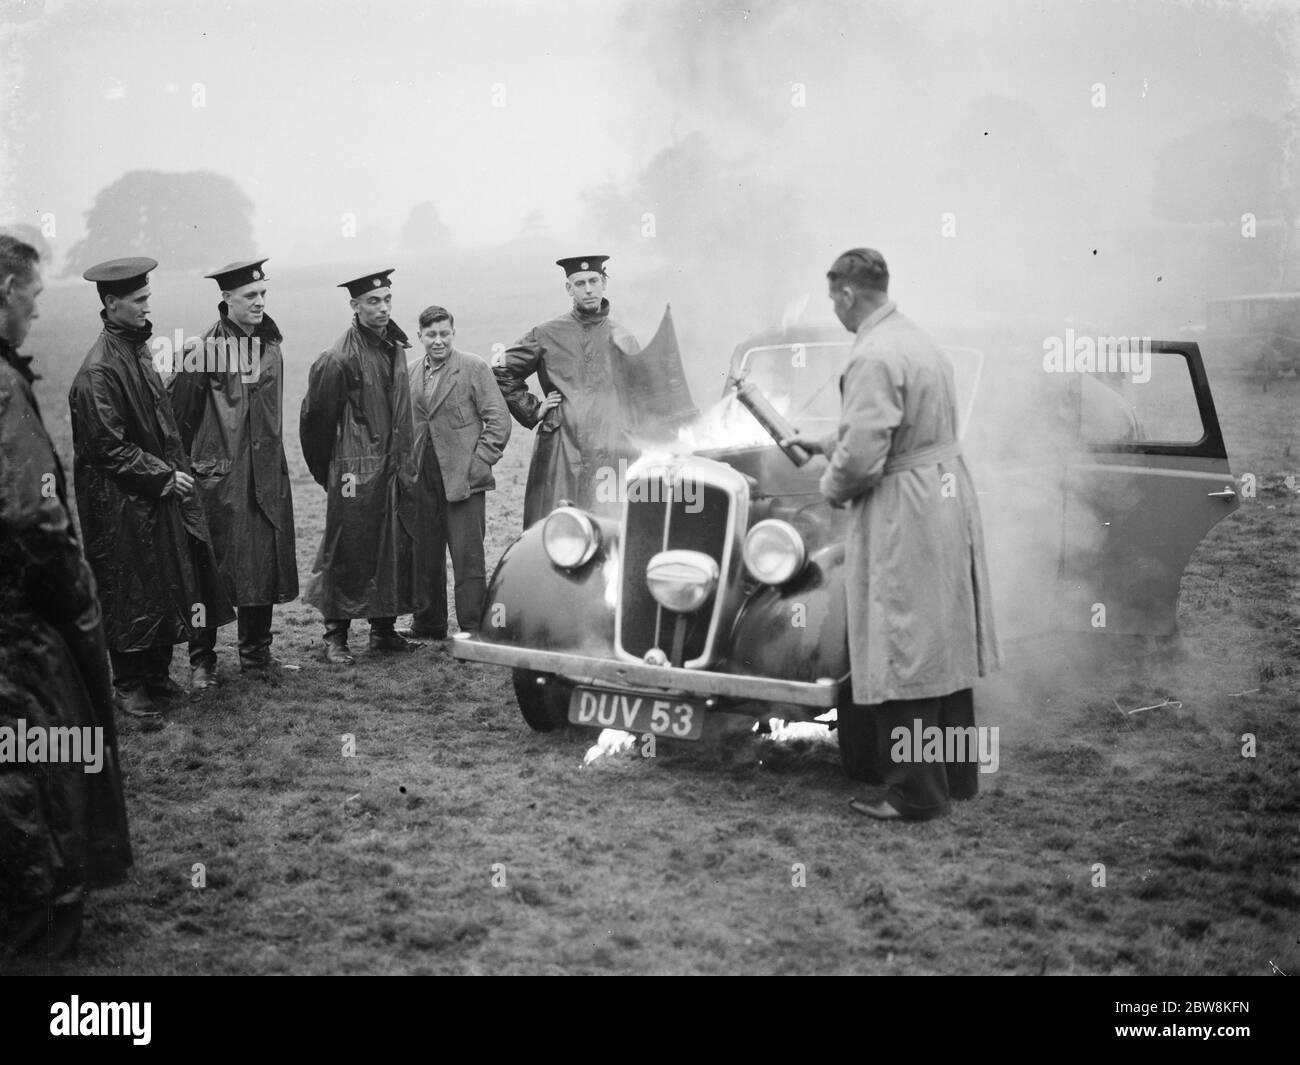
x: 1001, y: 157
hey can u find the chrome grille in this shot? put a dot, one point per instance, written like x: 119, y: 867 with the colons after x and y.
x: 693, y: 504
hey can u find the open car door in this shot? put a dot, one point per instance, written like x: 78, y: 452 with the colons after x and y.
x: 1146, y: 483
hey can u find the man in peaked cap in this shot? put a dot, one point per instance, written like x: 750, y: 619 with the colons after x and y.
x: 145, y: 533
x: 228, y: 410
x: 578, y: 423
x: 357, y: 433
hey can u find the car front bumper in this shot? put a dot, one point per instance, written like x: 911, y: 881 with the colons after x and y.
x: 822, y: 693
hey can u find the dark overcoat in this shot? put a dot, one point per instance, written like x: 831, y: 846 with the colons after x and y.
x: 229, y: 413
x: 574, y: 355
x: 151, y: 553
x: 356, y: 430
x: 61, y: 827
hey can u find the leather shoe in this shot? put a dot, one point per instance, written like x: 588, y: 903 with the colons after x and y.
x: 337, y: 654
x: 386, y: 642
x: 419, y: 632
x: 137, y: 703
x: 268, y: 665
x: 881, y: 809
x: 202, y: 678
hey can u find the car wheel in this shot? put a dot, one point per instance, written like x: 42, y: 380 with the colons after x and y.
x: 856, y: 730
x: 545, y: 705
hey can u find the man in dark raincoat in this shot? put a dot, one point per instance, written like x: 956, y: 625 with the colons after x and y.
x: 227, y: 399
x: 62, y: 823
x: 357, y: 434
x: 142, y: 523
x: 579, y: 424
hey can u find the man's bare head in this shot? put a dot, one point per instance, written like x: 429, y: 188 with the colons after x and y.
x: 20, y: 284
x: 858, y: 283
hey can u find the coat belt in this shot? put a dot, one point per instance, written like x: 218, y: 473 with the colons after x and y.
x: 922, y: 456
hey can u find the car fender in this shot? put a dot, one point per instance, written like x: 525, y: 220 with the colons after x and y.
x: 534, y: 603
x: 796, y: 631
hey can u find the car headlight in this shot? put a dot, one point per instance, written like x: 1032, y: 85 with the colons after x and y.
x: 569, y: 537
x: 681, y: 581
x: 774, y: 551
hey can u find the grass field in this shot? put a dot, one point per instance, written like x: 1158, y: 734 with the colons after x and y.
x: 455, y: 840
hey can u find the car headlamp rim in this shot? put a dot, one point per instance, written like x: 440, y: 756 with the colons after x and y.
x: 584, y: 532
x: 774, y: 552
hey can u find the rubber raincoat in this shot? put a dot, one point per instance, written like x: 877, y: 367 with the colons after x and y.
x: 230, y: 422
x: 574, y: 355
x: 61, y: 828
x: 357, y: 432
x: 151, y: 554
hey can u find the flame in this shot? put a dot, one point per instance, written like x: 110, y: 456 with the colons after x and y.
x: 609, y: 743
x: 782, y: 731
x: 727, y: 424
x: 609, y: 573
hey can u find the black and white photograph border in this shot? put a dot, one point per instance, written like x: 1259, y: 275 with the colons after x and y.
x: 948, y: 348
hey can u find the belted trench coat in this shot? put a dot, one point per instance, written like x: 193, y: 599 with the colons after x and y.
x: 920, y: 620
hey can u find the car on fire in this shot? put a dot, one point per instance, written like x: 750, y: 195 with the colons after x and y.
x: 713, y: 581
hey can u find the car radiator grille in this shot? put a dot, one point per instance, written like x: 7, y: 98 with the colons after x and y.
x: 670, y: 524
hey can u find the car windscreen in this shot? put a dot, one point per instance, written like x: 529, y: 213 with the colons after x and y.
x: 803, y: 380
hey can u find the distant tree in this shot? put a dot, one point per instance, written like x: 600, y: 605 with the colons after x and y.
x: 185, y: 220
x: 425, y: 229
x: 701, y: 202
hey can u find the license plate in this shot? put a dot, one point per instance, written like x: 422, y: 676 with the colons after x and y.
x: 662, y: 715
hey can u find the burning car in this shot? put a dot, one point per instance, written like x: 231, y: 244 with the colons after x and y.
x: 713, y: 582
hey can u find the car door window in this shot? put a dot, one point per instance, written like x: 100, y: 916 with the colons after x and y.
x: 1155, y: 404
